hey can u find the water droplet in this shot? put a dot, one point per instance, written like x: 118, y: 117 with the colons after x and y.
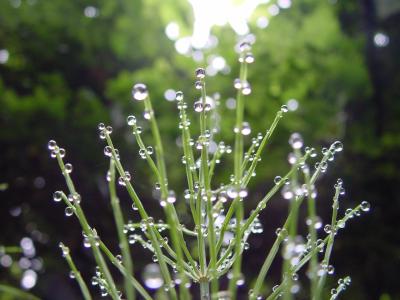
x: 179, y: 96
x: 240, y: 280
x: 57, y: 196
x: 200, y: 73
x: 328, y: 228
x: 337, y: 146
x: 249, y: 58
x: 121, y: 181
x: 244, y: 47
x: 138, y: 130
x: 246, y: 129
x: 287, y: 192
x: 198, y: 85
x: 292, y: 158
x: 107, y: 151
x: 171, y: 197
x: 295, y: 276
x: 52, y: 145
x: 131, y: 120
x: 102, y: 134
x: 365, y: 206
x: 61, y: 152
x: 139, y: 92
x: 330, y: 270
x: 142, y: 153
x: 237, y: 84
x: 152, y: 276
x: 246, y: 88
x: 198, y: 106
x: 281, y: 232
x: 69, y: 211
x: 101, y: 126
x: 109, y: 129
x: 68, y: 168
x: 277, y: 179
x: 296, y: 141
x: 149, y: 150
x: 147, y: 114
x: 232, y: 192
x: 243, y: 192
x: 72, y: 274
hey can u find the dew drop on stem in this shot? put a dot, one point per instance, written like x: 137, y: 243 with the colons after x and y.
x: 200, y: 73
x: 139, y: 92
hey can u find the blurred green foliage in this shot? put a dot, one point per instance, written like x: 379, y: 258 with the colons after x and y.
x: 67, y: 72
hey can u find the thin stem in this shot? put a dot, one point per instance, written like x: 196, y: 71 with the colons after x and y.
x: 77, y: 274
x: 86, y: 228
x: 10, y: 249
x: 19, y: 294
x: 238, y: 159
x: 204, y: 290
x: 318, y: 289
x: 207, y: 189
x: 172, y: 217
x: 275, y: 294
x: 144, y: 216
x: 312, y: 230
x: 119, y: 222
x: 292, y: 233
x: 248, y: 175
x: 191, y: 175
x: 263, y: 272
x: 124, y: 271
x: 263, y: 143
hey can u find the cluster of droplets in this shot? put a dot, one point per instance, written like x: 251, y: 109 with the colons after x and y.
x: 91, y: 238
x: 325, y: 269
x: 140, y: 93
x: 55, y: 150
x: 205, y: 103
x: 343, y: 283
x: 245, y: 57
x: 99, y: 281
x: 122, y: 180
x: 145, y: 152
x: 104, y: 130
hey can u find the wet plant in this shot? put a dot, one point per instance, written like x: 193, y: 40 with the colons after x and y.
x: 220, y: 227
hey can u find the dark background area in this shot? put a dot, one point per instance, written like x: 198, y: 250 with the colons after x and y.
x: 62, y: 72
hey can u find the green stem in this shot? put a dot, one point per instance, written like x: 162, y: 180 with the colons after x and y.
x: 207, y: 189
x: 86, y: 228
x: 177, y: 238
x: 312, y: 230
x: 238, y: 159
x: 306, y: 258
x: 144, y: 216
x: 19, y: 294
x: 123, y: 242
x: 125, y: 272
x: 77, y: 274
x: 318, y: 289
x: 204, y: 290
x: 298, y: 202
